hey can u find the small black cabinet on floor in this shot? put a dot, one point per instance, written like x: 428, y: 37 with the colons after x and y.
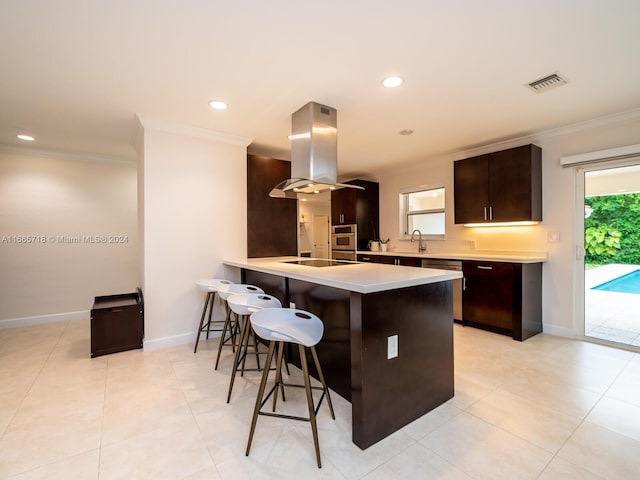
x: 117, y: 323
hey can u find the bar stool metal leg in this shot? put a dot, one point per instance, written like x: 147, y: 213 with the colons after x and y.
x: 229, y: 326
x: 263, y: 384
x: 324, y: 385
x: 208, y: 299
x: 244, y: 336
x: 312, y: 410
x: 279, y: 375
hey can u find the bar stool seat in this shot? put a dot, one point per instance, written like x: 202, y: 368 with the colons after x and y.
x: 243, y: 305
x: 210, y: 286
x: 231, y: 329
x: 280, y: 325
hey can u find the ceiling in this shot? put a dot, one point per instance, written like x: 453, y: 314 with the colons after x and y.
x: 74, y: 73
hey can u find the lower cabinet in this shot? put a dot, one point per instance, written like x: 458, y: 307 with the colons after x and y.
x: 390, y: 260
x: 503, y: 297
x: 117, y: 323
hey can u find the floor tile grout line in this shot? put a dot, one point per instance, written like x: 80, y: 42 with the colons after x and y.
x: 582, y: 421
x: 553, y: 454
x: 470, y: 474
x: 104, y: 406
x: 35, y: 379
x: 193, y: 415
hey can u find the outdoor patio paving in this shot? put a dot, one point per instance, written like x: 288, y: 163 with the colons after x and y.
x: 610, y: 315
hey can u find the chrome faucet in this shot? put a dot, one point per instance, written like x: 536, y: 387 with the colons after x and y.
x: 421, y: 246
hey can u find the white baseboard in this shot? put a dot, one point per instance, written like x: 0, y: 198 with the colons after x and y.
x: 40, y: 319
x: 158, y: 343
x: 559, y: 331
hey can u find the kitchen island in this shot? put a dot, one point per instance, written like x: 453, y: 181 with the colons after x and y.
x: 366, y: 310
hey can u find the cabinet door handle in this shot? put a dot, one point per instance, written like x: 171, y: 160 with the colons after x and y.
x: 485, y: 213
x: 490, y: 213
x: 464, y: 283
x: 366, y: 259
x: 481, y: 267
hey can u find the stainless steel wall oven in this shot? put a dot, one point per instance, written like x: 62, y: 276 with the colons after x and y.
x: 344, y: 241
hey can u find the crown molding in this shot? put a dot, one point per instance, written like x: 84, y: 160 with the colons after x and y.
x: 620, y: 118
x: 65, y: 155
x: 611, y: 120
x: 153, y: 123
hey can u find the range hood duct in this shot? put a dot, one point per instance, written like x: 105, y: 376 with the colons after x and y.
x: 314, y: 154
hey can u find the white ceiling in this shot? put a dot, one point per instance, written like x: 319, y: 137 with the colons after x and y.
x: 75, y: 72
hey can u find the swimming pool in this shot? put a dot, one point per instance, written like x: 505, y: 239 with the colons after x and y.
x: 629, y: 283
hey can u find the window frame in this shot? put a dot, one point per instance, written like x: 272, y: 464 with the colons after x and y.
x: 403, y: 199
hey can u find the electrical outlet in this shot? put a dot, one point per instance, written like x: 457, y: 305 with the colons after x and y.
x: 473, y: 244
x: 292, y: 305
x: 553, y: 237
x: 392, y: 347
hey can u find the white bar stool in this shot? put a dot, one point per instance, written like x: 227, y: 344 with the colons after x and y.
x: 209, y: 285
x: 279, y: 325
x: 243, y: 305
x: 231, y: 328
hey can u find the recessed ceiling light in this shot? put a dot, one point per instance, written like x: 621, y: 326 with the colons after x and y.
x: 26, y: 138
x: 392, y: 82
x: 406, y: 131
x: 218, y: 105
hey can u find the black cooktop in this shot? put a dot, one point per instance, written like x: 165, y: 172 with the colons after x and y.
x: 319, y: 262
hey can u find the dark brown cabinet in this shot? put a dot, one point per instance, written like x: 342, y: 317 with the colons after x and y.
x: 117, y: 323
x: 504, y: 186
x: 272, y: 223
x: 343, y: 211
x: 390, y: 259
x: 504, y: 298
x: 358, y: 207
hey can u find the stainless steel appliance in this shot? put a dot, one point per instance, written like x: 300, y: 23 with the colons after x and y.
x: 314, y: 154
x: 457, y: 284
x: 344, y: 241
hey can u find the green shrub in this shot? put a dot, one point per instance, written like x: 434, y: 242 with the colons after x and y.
x: 612, y: 231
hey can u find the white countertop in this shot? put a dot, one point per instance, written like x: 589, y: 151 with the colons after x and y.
x: 355, y: 277
x: 480, y: 255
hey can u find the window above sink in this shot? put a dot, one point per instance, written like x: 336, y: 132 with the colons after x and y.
x: 422, y: 208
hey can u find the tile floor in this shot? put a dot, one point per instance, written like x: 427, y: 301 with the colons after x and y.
x: 611, y: 316
x: 547, y: 408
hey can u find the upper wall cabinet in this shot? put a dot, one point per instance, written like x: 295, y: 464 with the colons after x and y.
x: 360, y: 207
x: 272, y: 223
x: 504, y: 186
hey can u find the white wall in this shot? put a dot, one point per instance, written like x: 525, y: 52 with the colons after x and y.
x: 60, y: 200
x: 558, y: 208
x: 194, y: 215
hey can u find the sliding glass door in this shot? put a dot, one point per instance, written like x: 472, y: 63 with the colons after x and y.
x: 609, y: 200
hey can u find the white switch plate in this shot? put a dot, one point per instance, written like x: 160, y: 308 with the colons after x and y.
x: 553, y: 237
x: 292, y: 305
x: 392, y: 346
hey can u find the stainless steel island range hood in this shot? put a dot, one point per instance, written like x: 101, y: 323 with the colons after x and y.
x: 314, y: 154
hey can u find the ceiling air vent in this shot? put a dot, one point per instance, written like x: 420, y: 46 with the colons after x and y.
x: 547, y: 83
